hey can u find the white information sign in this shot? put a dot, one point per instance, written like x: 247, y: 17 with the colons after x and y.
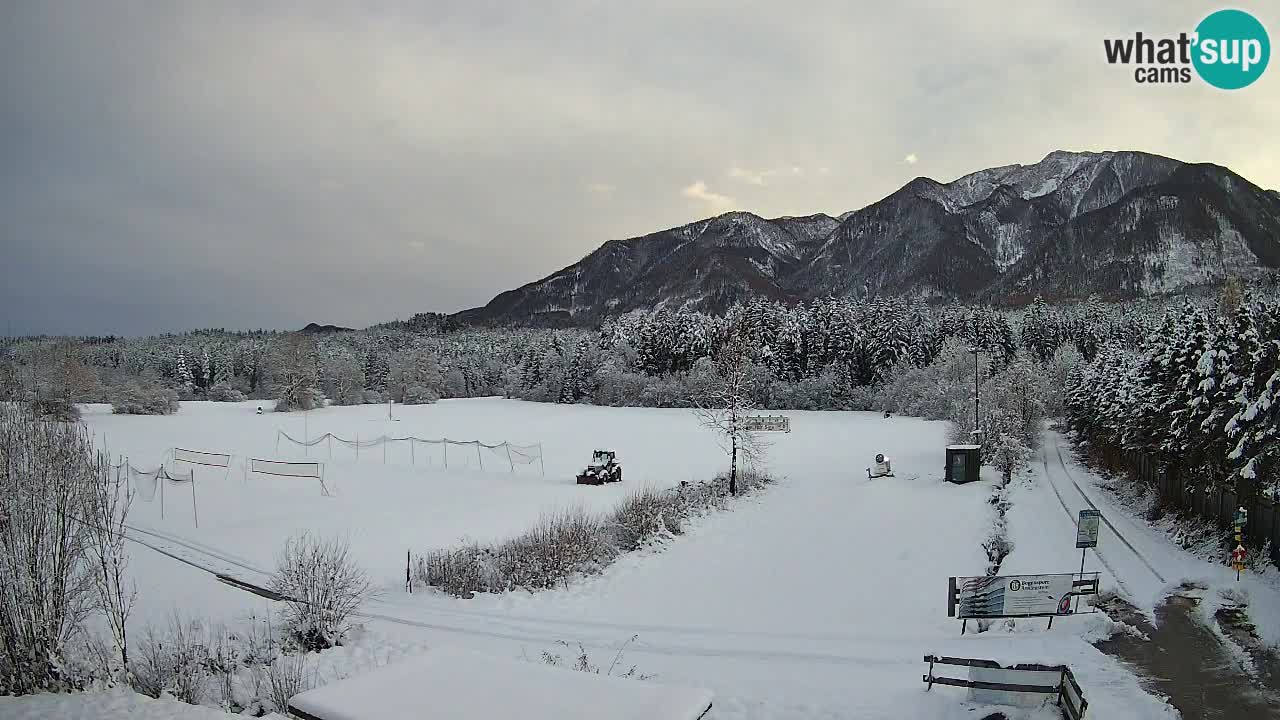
x: 767, y: 423
x: 1014, y: 596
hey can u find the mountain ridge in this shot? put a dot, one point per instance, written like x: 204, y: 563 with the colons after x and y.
x: 1113, y: 223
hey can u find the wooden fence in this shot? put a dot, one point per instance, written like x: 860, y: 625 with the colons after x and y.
x: 1217, y: 504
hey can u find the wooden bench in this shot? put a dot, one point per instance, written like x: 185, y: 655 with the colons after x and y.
x: 1055, y: 680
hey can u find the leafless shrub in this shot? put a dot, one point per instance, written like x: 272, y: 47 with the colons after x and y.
x: 558, y: 546
x: 145, y: 397
x: 645, y: 514
x: 324, y: 584
x: 573, y: 542
x: 172, y: 661
x: 582, y: 661
x: 287, y: 676
x: 48, y: 474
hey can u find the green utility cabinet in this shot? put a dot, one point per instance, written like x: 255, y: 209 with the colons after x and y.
x: 963, y: 462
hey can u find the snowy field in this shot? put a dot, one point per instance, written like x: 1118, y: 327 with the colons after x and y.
x: 817, y: 598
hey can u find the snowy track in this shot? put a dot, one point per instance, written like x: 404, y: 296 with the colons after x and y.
x: 1137, y: 560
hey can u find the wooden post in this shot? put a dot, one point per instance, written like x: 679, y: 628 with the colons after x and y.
x: 507, y: 445
x: 160, y: 480
x: 446, y: 453
x: 329, y: 439
x: 408, y: 579
x: 195, y: 513
x: 478, y: 458
x: 540, y: 463
x: 413, y: 455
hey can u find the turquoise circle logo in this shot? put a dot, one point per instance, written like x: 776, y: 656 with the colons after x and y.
x: 1232, y: 49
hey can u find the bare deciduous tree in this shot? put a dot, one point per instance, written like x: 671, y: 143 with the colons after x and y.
x: 725, y: 404
x: 106, y: 514
x: 294, y: 375
x: 344, y: 380
x: 58, y: 378
x: 415, y: 378
x: 324, y: 586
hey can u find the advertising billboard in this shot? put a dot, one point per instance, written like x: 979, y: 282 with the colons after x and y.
x: 1002, y: 596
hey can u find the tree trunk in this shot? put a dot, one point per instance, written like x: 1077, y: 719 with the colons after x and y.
x: 733, y: 466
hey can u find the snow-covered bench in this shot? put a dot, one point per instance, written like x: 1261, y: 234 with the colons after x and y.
x: 1015, y: 685
x: 451, y: 683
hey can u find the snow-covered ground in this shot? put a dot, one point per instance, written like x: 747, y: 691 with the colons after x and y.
x: 817, y: 598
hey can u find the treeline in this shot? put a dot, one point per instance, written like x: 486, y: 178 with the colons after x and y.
x: 826, y: 354
x: 1200, y: 394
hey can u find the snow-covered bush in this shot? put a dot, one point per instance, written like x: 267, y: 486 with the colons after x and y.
x: 573, y: 543
x: 419, y: 395
x: 644, y: 514
x: 49, y: 478
x: 306, y: 398
x: 1003, y: 445
x: 287, y: 676
x: 141, y: 397
x: 324, y: 584
x: 224, y: 392
x: 172, y: 661
x: 934, y: 391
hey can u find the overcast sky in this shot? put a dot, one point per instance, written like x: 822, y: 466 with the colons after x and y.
x: 172, y: 165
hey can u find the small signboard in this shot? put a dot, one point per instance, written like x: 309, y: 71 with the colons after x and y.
x: 1087, y: 528
x: 767, y: 423
x: 1002, y: 596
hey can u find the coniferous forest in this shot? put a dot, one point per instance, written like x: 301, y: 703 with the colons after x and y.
x: 1190, y: 381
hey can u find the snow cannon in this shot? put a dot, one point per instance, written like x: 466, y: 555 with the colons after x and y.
x: 604, y: 468
x: 881, y: 468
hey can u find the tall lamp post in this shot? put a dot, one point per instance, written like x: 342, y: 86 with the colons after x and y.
x: 976, y: 432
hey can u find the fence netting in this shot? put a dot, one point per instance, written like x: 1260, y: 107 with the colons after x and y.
x: 441, y: 453
x: 145, y: 482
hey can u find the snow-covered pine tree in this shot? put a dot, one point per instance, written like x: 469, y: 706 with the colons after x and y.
x: 1255, y: 425
x: 183, y: 373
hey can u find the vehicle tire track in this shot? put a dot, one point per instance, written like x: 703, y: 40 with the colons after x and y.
x: 1058, y: 448
x: 1115, y: 575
